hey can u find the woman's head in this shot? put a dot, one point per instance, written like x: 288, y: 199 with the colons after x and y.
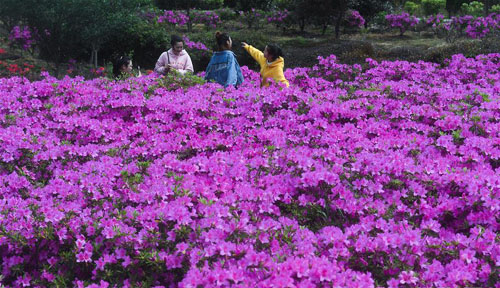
x: 177, y: 44
x: 224, y: 42
x: 121, y: 65
x: 272, y: 52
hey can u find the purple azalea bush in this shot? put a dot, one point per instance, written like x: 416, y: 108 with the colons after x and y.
x: 194, y: 45
x: 403, y: 21
x: 465, y: 26
x: 251, y: 17
x: 377, y: 176
x: 277, y: 17
x: 176, y: 17
x: 209, y: 18
x: 355, y: 19
x: 180, y: 18
x: 480, y: 27
x: 22, y: 36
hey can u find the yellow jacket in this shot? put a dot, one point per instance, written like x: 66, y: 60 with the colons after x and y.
x: 273, y: 70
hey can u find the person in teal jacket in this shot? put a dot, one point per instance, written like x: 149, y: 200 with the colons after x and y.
x: 223, y: 67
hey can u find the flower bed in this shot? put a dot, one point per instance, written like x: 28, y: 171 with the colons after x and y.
x: 352, y: 177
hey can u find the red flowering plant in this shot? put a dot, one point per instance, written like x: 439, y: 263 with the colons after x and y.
x: 388, y: 177
x: 98, y: 72
x: 13, y: 68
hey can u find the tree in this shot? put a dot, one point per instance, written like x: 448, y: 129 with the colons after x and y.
x: 432, y: 7
x: 110, y: 18
x: 246, y: 5
x: 488, y: 4
x: 369, y: 8
x: 69, y: 28
x: 320, y: 12
x: 10, y: 13
x: 453, y: 6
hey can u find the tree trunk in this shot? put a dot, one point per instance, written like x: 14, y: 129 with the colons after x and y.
x: 302, y: 24
x: 93, y: 56
x: 338, y: 21
x: 486, y: 7
x: 57, y: 61
x: 325, y: 25
x: 190, y: 22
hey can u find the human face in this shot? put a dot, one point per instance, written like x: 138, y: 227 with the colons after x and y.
x: 127, y: 68
x: 229, y: 43
x: 178, y: 47
x: 268, y: 55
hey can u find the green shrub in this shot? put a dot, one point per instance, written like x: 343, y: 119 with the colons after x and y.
x: 226, y: 14
x: 412, y: 7
x: 173, y: 81
x: 379, y: 18
x: 469, y: 48
x: 495, y: 8
x: 432, y: 7
x: 210, y: 4
x: 144, y: 42
x: 474, y: 8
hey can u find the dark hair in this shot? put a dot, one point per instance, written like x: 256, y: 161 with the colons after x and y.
x: 174, y: 39
x: 118, y: 63
x: 221, y: 39
x: 275, y: 51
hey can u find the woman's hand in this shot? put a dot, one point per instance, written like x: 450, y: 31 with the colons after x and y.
x: 170, y: 67
x: 244, y: 44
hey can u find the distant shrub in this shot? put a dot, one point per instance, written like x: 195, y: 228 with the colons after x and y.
x: 226, y: 14
x: 431, y: 7
x: 495, y: 8
x: 412, y: 7
x: 173, y: 81
x: 474, y: 8
x: 403, y: 21
x: 379, y: 18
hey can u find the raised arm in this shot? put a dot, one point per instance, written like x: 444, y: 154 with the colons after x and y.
x: 255, y: 53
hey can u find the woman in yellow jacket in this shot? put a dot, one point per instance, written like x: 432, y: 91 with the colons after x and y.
x: 271, y: 63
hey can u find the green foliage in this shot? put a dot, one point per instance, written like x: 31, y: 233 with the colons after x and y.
x: 495, y: 8
x: 315, y: 217
x: 10, y: 14
x: 453, y: 6
x: 174, y: 81
x: 188, y: 4
x: 474, y: 8
x: 146, y: 40
x: 73, y: 28
x: 412, y: 7
x: 432, y: 7
x: 369, y: 8
x: 468, y: 48
x: 379, y: 18
x: 247, y: 5
x: 210, y: 4
x: 226, y: 14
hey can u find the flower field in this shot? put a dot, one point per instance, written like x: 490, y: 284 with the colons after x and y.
x: 386, y: 175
